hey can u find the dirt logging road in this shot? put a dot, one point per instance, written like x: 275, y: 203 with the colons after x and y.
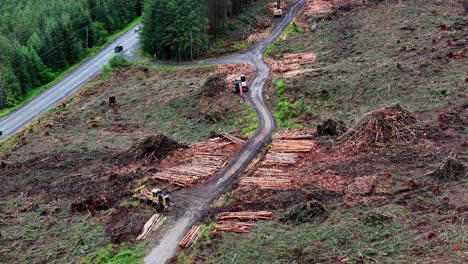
x: 196, y: 200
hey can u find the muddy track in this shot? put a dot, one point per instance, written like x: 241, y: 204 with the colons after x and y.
x: 195, y: 201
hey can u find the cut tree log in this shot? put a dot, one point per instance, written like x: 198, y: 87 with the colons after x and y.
x: 294, y: 146
x: 235, y: 227
x: 153, y: 223
x: 261, y: 215
x: 190, y: 237
x: 273, y: 183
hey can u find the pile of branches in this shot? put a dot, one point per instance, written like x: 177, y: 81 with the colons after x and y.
x: 153, y: 148
x: 449, y: 169
x: 381, y: 127
x: 331, y: 128
x: 214, y: 85
x: 125, y: 223
x: 305, y: 212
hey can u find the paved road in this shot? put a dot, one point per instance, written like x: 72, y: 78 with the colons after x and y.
x: 195, y: 201
x: 72, y: 82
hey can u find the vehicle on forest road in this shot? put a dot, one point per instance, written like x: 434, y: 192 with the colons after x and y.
x: 118, y: 49
x: 278, y: 11
x: 156, y: 198
x: 240, y: 85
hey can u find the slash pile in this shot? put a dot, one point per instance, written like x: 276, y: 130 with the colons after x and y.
x: 383, y: 126
x: 318, y: 7
x: 240, y: 222
x: 285, y: 152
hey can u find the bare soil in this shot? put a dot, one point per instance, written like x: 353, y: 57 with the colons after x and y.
x: 383, y: 195
x: 67, y: 185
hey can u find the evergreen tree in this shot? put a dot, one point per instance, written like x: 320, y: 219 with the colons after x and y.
x: 175, y: 29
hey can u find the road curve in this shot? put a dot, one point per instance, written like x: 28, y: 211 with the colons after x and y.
x: 197, y: 199
x: 63, y: 88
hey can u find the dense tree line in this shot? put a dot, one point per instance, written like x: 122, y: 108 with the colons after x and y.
x: 39, y: 38
x: 181, y: 29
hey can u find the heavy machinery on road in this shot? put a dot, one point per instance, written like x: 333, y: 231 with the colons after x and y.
x: 156, y: 198
x: 240, y: 85
x: 277, y: 10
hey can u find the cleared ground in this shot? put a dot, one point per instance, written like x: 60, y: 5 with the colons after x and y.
x: 361, y: 201
x: 67, y: 181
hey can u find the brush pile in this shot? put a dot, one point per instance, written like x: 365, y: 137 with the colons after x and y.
x: 153, y: 148
x: 450, y: 169
x: 318, y: 7
x: 124, y: 223
x: 331, y: 128
x: 240, y: 222
x: 305, y: 212
x: 190, y: 237
x: 214, y: 85
x: 347, y: 4
x: 384, y: 126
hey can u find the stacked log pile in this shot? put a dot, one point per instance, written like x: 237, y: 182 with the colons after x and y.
x: 292, y: 146
x: 233, y: 71
x: 318, y: 7
x: 240, y: 222
x: 261, y: 215
x: 234, y: 226
x: 267, y: 183
x: 260, y: 23
x: 294, y: 135
x: 285, y: 159
x: 190, y: 237
x: 155, y: 222
x: 256, y: 37
x: 204, y: 161
x: 286, y: 151
x: 292, y: 61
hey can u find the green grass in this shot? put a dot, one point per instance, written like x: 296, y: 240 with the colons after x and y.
x: 247, y: 123
x: 35, y: 92
x: 273, y: 50
x: 113, y: 254
x: 345, y: 232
